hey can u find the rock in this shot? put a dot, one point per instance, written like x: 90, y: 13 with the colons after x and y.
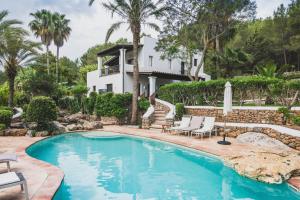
x: 269, y: 167
x: 15, y: 132
x: 58, y: 128
x: 32, y: 125
x: 41, y: 134
x: 96, y: 124
x: 17, y: 125
x: 87, y: 125
x: 262, y: 140
x: 71, y: 127
x: 74, y: 118
x: 79, y: 127
x: 31, y: 133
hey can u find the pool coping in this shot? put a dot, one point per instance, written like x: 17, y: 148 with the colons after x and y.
x: 55, y: 175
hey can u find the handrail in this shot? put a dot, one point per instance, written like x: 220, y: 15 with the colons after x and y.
x: 171, y: 114
x: 149, y: 112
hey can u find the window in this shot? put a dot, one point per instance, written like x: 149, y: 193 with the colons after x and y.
x: 195, y: 62
x: 170, y: 63
x: 109, y: 87
x: 182, y: 67
x: 150, y: 61
x: 94, y: 88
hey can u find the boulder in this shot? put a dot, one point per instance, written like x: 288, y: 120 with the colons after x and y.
x: 96, y: 124
x: 41, y: 134
x: 31, y: 133
x: 87, y: 125
x: 17, y: 125
x: 262, y: 140
x: 32, y: 125
x: 269, y: 167
x: 15, y: 132
x: 71, y: 127
x: 74, y: 118
x: 58, y: 128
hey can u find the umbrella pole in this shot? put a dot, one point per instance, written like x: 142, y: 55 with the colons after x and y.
x: 224, y: 142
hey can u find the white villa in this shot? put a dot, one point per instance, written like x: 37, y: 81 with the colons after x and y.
x: 116, y: 74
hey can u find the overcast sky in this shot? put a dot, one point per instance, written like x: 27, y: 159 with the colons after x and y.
x: 89, y: 24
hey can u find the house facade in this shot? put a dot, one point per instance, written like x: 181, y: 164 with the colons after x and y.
x: 116, y: 73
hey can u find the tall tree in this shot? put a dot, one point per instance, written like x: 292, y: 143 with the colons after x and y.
x: 135, y: 13
x: 15, y: 52
x: 210, y: 19
x: 60, y: 34
x: 43, y: 27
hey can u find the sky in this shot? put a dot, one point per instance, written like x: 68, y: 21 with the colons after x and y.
x: 89, y: 24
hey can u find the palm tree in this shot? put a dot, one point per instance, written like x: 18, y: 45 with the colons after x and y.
x: 60, y: 34
x: 42, y: 26
x: 5, y: 23
x: 134, y: 13
x: 15, y: 52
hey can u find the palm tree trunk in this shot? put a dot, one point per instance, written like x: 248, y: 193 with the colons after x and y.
x: 57, y: 62
x: 47, y: 57
x: 136, y: 37
x: 11, y: 83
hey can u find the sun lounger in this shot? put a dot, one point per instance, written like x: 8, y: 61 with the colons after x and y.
x: 6, y: 158
x: 11, y: 179
x: 184, y: 123
x: 208, y: 126
x: 196, y: 123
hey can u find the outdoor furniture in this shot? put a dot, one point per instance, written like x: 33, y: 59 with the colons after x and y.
x: 184, y: 123
x: 196, y: 123
x: 208, y: 126
x: 6, y: 158
x: 11, y: 179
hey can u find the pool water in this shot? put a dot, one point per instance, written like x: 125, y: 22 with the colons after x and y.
x: 133, y: 168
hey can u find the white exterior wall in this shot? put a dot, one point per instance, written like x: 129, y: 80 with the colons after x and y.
x: 159, y: 65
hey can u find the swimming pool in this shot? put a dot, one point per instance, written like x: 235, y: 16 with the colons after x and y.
x: 134, y: 168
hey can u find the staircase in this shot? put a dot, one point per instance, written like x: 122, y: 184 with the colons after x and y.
x: 159, y: 117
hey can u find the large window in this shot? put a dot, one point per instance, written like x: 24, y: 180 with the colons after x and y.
x: 109, y: 87
x: 150, y: 62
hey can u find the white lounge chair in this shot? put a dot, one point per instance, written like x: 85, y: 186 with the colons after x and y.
x: 196, y: 123
x: 208, y: 126
x: 11, y: 179
x: 184, y: 123
x: 6, y: 158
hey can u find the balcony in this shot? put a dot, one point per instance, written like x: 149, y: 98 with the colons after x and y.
x: 109, y: 70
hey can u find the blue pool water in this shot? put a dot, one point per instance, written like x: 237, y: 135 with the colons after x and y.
x: 133, y: 168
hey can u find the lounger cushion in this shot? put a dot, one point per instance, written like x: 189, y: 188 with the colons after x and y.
x: 7, y: 178
x: 8, y: 157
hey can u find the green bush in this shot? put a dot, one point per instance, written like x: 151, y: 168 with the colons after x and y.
x: 212, y: 92
x: 143, y: 104
x: 2, y: 127
x: 3, y: 94
x: 296, y: 120
x: 21, y: 98
x: 69, y: 103
x: 109, y: 104
x: 179, y: 107
x: 91, y: 102
x: 286, y: 113
x: 42, y: 110
x: 5, y: 117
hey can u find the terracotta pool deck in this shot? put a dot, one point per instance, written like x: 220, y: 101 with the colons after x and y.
x: 44, y: 179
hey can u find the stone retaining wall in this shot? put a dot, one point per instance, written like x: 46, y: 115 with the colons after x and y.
x: 266, y: 115
x: 291, y: 141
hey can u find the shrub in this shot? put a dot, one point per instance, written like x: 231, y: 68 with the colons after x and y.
x: 296, y: 120
x: 91, y: 102
x: 143, y: 104
x: 3, y: 94
x: 2, y: 127
x: 69, y: 103
x: 42, y: 110
x: 109, y: 104
x: 6, y: 108
x: 21, y: 98
x: 5, y: 117
x: 79, y: 90
x: 179, y: 107
x: 286, y: 113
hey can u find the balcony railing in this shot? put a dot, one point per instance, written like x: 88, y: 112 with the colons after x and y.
x: 110, y: 70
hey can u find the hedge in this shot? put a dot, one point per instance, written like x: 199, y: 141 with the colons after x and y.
x: 211, y: 92
x: 42, y: 110
x: 5, y: 117
x: 109, y: 104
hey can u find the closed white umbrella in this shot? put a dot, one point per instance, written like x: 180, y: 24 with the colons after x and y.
x: 227, y: 108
